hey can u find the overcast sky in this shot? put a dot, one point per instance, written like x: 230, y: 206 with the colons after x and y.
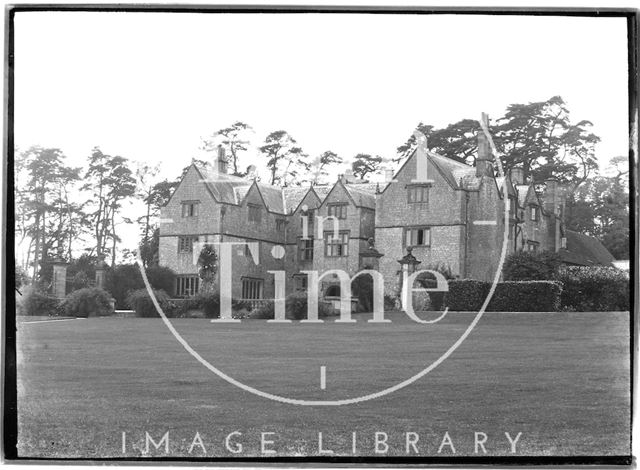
x: 148, y: 86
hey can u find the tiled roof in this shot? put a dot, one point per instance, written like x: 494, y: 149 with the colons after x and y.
x: 221, y: 185
x: 451, y: 170
x: 364, y: 194
x: 293, y: 196
x: 585, y: 250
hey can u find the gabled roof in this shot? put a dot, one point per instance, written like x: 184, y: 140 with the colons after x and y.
x: 271, y: 195
x: 363, y: 194
x: 221, y: 185
x: 292, y: 197
x: 584, y: 250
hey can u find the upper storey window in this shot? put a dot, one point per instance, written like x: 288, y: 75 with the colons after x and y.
x: 535, y: 213
x: 255, y: 213
x: 337, y: 210
x: 190, y: 208
x: 418, y: 194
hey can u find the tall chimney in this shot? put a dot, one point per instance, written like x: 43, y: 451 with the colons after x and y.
x: 517, y: 175
x: 221, y: 160
x: 483, y: 160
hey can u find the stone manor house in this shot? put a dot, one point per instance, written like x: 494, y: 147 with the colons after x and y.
x: 434, y: 210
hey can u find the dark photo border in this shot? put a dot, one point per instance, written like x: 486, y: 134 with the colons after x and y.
x: 9, y: 396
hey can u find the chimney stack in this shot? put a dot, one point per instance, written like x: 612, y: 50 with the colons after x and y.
x: 221, y: 160
x: 483, y: 160
x: 517, y: 175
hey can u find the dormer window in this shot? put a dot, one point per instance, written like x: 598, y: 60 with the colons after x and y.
x: 255, y: 213
x: 418, y: 194
x: 190, y: 208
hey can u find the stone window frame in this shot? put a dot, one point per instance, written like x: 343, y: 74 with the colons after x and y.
x: 187, y: 285
x: 408, y: 238
x: 254, y: 213
x: 190, y: 208
x: 185, y: 243
x: 336, y: 248
x: 281, y: 224
x: 418, y: 189
x: 305, y: 249
x: 252, y: 288
x: 338, y: 210
x: 533, y: 245
x: 535, y: 213
x: 301, y: 282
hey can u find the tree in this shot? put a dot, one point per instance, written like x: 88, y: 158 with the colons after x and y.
x: 285, y: 159
x: 45, y: 216
x: 111, y: 182
x: 207, y: 266
x: 363, y: 164
x: 538, y: 137
x: 600, y: 208
x: 234, y: 139
x: 324, y: 160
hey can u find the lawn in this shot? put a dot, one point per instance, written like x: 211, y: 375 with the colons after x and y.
x: 562, y: 380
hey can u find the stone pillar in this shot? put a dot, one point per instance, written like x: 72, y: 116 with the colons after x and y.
x: 100, y: 269
x: 59, y: 284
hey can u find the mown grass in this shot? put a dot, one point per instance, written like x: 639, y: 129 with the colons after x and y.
x: 561, y: 379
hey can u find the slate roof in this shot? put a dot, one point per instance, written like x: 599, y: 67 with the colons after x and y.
x: 584, y: 250
x: 293, y: 196
x: 221, y: 185
x: 364, y: 194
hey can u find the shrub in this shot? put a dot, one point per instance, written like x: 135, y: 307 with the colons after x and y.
x: 594, y: 288
x: 362, y: 287
x: 531, y: 266
x: 88, y: 302
x: 295, y: 308
x: 466, y: 294
x: 526, y: 296
x: 429, y: 281
x: 208, y: 302
x: 36, y: 302
x: 140, y: 301
x: 266, y: 311
x: 122, y: 280
x: 161, y: 278
x: 391, y: 302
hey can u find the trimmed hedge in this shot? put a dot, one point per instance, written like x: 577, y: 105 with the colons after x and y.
x: 531, y: 266
x: 466, y: 294
x: 594, y: 289
x: 509, y: 296
x: 88, y: 302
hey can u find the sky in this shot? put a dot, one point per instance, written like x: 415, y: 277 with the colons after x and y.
x: 149, y: 86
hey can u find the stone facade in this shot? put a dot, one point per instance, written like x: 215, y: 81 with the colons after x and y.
x: 450, y: 214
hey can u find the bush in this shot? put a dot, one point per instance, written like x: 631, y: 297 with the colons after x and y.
x: 125, y: 278
x: 391, y: 302
x: 594, y: 288
x: 208, y: 302
x: 466, y: 294
x: 509, y: 296
x: 526, y: 296
x: 429, y: 281
x: 140, y: 301
x: 88, y: 302
x: 36, y: 302
x: 531, y: 266
x: 295, y: 306
x: 161, y: 278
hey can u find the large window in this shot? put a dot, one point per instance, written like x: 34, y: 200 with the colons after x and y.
x: 255, y: 213
x: 187, y: 286
x: 306, y: 249
x: 334, y: 247
x: 309, y: 216
x: 190, y: 209
x: 419, y: 236
x: 418, y: 194
x: 337, y: 210
x: 185, y: 244
x: 280, y: 224
x: 252, y: 288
